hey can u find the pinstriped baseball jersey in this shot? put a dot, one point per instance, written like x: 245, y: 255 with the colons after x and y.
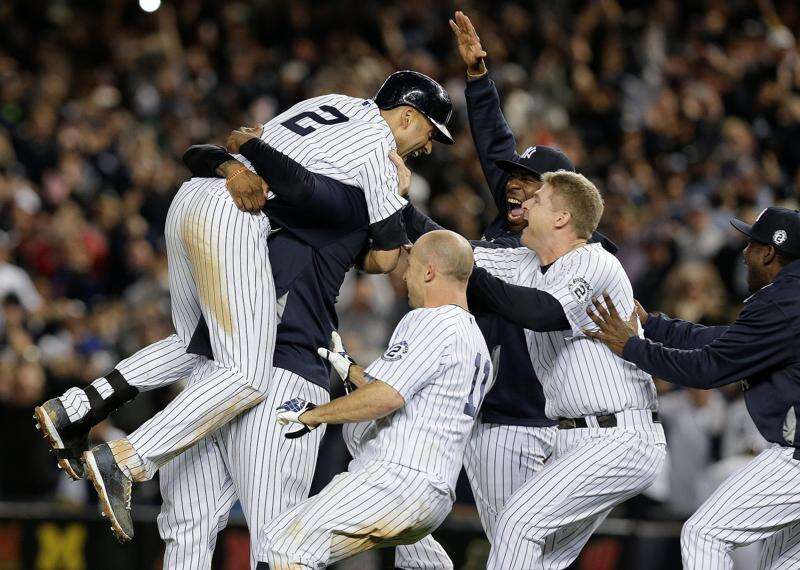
x: 438, y: 361
x: 580, y: 377
x: 344, y: 138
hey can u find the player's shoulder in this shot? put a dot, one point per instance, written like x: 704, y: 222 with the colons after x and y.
x: 489, y: 251
x: 595, y: 255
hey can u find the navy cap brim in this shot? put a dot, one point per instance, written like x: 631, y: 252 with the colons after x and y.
x: 743, y: 227
x: 441, y: 135
x: 511, y: 167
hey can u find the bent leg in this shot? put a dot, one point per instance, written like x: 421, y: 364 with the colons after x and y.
x: 549, y: 519
x: 760, y: 500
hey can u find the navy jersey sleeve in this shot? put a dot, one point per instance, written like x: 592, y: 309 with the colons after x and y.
x: 389, y: 233
x: 524, y: 306
x: 759, y: 340
x: 204, y: 159
x: 491, y: 134
x: 676, y: 333
x: 417, y: 223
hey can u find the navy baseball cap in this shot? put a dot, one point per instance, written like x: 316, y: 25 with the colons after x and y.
x: 537, y: 160
x: 778, y: 227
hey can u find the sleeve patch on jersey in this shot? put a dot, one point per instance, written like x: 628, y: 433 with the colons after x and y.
x: 580, y: 289
x: 396, y: 351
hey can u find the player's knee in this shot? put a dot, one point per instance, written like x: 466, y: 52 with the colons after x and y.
x: 696, y: 530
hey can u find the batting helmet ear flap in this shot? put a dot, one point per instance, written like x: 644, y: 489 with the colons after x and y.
x: 424, y: 94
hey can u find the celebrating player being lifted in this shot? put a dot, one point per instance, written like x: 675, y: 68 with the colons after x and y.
x: 424, y: 393
x: 221, y: 280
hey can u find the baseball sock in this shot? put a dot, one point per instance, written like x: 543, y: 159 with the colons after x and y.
x: 89, y: 406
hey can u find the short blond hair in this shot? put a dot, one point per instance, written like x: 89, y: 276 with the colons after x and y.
x: 580, y: 197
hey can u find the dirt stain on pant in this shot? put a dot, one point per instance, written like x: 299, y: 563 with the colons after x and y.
x: 212, y: 286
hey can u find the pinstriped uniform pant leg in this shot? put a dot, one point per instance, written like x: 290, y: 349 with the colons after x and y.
x: 271, y: 473
x: 761, y: 501
x: 197, y: 495
x: 499, y: 459
x: 159, y: 364
x: 381, y: 505
x: 426, y: 554
x: 219, y: 262
x: 548, y: 520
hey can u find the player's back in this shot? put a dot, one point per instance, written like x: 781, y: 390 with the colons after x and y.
x: 439, y: 362
x: 345, y: 138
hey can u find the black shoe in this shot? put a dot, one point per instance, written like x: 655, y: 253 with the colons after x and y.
x: 113, y: 488
x: 54, y: 423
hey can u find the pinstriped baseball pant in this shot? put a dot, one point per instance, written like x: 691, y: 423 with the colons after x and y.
x: 499, y: 459
x: 219, y: 269
x: 425, y: 554
x: 547, y: 521
x: 760, y: 502
x: 379, y: 505
x: 248, y: 459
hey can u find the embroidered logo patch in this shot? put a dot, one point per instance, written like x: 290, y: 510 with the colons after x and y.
x: 528, y: 152
x: 580, y: 289
x: 779, y: 237
x: 396, y: 351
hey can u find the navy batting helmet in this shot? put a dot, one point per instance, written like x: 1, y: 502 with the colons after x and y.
x: 421, y: 92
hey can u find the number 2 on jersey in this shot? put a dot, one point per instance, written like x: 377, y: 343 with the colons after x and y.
x: 293, y: 123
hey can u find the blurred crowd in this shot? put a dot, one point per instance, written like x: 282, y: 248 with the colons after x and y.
x: 683, y: 113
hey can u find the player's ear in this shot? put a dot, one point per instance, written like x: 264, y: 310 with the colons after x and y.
x: 407, y: 117
x: 430, y: 272
x: 562, y: 218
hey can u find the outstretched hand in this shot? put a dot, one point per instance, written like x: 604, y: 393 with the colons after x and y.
x: 469, y: 44
x: 614, y: 331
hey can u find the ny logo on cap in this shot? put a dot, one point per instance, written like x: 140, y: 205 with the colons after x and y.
x: 528, y: 152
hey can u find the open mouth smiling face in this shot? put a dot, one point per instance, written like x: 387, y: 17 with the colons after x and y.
x: 519, y: 189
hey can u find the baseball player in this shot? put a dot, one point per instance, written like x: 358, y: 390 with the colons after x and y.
x: 206, y: 257
x: 761, y: 501
x: 609, y: 445
x: 424, y: 393
x: 512, y: 436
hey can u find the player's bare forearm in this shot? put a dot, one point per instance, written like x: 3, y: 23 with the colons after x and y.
x: 370, y: 402
x: 380, y: 261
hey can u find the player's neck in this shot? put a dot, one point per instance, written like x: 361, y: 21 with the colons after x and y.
x: 445, y: 295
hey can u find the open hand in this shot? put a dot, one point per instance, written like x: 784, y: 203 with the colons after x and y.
x: 469, y: 44
x: 240, y: 136
x: 613, y: 331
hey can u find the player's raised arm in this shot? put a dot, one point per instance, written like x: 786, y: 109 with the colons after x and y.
x: 490, y: 131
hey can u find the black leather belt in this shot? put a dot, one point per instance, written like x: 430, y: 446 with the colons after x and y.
x: 608, y: 421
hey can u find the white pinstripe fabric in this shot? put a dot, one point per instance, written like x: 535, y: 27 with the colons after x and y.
x: 427, y: 553
x: 248, y: 459
x: 548, y: 520
x: 355, y: 151
x: 401, y: 482
x: 500, y: 459
x: 156, y: 365
x: 436, y: 371
x: 580, y: 376
x: 218, y: 267
x: 760, y: 502
x: 381, y: 505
